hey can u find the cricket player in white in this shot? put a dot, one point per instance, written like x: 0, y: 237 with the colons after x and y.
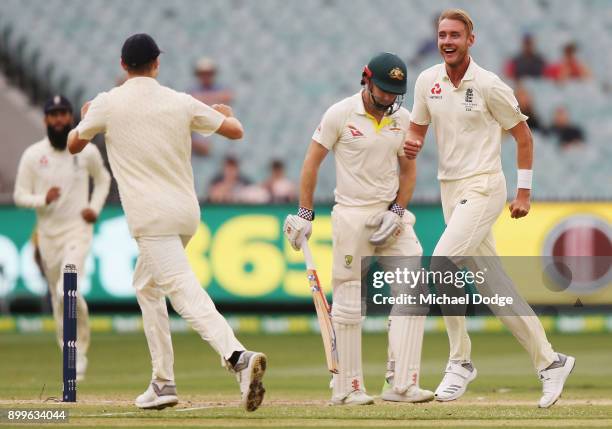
x: 148, y: 137
x: 374, y: 183
x: 56, y: 184
x: 468, y: 107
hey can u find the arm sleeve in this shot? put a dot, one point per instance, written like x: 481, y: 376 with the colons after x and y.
x: 101, y: 179
x: 503, y: 105
x: 204, y: 119
x: 23, y: 194
x: 94, y: 121
x: 420, y: 112
x: 329, y: 130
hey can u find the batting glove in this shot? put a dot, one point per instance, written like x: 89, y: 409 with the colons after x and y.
x: 298, y: 227
x: 388, y: 226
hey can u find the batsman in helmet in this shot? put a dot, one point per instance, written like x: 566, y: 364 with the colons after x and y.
x: 374, y: 183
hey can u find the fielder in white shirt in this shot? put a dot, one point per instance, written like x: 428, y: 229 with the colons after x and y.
x: 468, y: 107
x: 56, y: 184
x: 374, y: 183
x: 147, y: 130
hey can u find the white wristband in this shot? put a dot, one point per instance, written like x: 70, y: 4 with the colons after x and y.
x: 523, y: 180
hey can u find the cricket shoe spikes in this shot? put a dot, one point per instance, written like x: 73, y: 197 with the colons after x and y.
x: 157, y: 397
x: 414, y: 394
x: 250, y: 369
x: 455, y: 382
x: 356, y: 397
x: 553, y: 379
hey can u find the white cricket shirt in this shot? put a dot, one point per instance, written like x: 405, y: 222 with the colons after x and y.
x: 467, y: 120
x: 365, y: 151
x: 147, y: 129
x: 42, y: 167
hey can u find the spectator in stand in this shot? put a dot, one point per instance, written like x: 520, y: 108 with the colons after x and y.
x: 569, y: 67
x: 208, y: 91
x: 228, y: 186
x: 527, y: 63
x: 280, y: 188
x: 525, y: 102
x: 569, y: 135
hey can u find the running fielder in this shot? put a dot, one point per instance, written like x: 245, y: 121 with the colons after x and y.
x: 374, y: 183
x: 56, y: 184
x: 148, y: 136
x: 468, y: 107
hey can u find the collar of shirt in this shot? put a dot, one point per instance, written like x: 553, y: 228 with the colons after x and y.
x: 469, y: 73
x: 360, y: 110
x: 141, y: 80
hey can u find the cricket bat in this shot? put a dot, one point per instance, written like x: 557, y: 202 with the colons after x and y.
x: 323, y: 311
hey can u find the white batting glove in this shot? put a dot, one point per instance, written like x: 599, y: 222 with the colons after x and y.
x: 298, y: 227
x: 388, y: 226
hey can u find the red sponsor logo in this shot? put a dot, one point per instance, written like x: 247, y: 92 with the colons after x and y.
x: 436, y: 90
x: 354, y: 131
x: 355, y: 384
x: 43, y: 161
x: 414, y: 378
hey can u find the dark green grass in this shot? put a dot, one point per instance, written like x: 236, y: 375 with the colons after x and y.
x: 505, y: 392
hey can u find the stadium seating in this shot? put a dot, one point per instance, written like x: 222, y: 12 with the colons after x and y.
x: 288, y: 61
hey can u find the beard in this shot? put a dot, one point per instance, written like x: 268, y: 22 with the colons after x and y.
x: 58, y: 139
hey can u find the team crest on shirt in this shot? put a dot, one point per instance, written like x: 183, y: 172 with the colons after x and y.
x: 348, y: 260
x: 394, y: 126
x: 469, y: 103
x: 44, y: 161
x: 355, y: 131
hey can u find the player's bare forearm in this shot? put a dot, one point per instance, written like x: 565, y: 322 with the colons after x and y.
x: 308, y: 179
x: 407, y: 179
x: 75, y: 144
x: 524, y: 145
x: 521, y: 205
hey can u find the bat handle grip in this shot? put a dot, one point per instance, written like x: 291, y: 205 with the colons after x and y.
x: 307, y: 255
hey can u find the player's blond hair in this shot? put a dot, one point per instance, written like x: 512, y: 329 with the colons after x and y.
x: 458, y: 15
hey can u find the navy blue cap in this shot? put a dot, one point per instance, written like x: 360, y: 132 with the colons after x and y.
x: 139, y: 49
x: 57, y: 102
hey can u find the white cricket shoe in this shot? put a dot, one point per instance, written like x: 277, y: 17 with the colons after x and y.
x: 250, y: 369
x: 81, y: 366
x: 157, y: 398
x: 356, y: 397
x: 414, y: 394
x: 553, y: 378
x: 455, y: 381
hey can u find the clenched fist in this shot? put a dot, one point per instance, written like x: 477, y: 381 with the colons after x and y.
x: 521, y: 205
x: 412, y: 148
x: 52, y: 195
x: 89, y: 215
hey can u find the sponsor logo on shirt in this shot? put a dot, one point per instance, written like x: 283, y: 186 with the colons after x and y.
x: 44, y: 161
x: 355, y: 131
x: 436, y: 90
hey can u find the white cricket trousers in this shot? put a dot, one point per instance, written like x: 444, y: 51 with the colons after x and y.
x: 162, y: 269
x: 471, y: 206
x: 57, y: 251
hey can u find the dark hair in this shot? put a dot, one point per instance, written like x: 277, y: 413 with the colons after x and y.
x: 142, y: 68
x: 277, y: 164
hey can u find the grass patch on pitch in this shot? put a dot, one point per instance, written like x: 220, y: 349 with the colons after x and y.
x: 504, y: 394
